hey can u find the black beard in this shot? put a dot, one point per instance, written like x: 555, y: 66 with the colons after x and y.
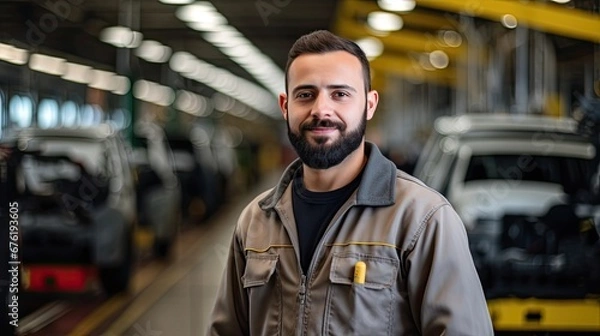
x: 322, y: 156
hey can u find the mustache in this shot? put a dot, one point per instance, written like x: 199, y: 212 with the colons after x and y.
x: 316, y: 123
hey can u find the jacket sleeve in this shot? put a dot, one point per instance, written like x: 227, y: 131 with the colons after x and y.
x: 445, y: 292
x: 230, y: 313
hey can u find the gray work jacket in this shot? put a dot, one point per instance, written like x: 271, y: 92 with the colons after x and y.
x: 420, y: 276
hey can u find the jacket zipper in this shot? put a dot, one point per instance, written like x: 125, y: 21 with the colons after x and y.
x: 301, y: 320
x: 302, y: 293
x: 316, y: 254
x: 302, y: 301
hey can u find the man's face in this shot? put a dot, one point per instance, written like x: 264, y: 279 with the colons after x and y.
x: 326, y: 107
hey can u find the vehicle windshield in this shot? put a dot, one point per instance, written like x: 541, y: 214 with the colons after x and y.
x: 88, y: 153
x: 51, y: 160
x: 566, y: 171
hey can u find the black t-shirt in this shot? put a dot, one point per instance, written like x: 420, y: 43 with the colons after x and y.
x: 313, y: 211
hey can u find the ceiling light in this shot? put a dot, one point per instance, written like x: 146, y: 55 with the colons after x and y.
x: 208, y: 21
x: 153, y: 51
x: 12, y: 54
x: 203, y: 16
x: 561, y: 1
x: 509, y: 21
x: 121, y: 85
x: 198, y: 12
x: 136, y: 40
x: 154, y: 93
x: 228, y: 37
x: 102, y: 80
x: 451, y: 38
x: 121, y: 37
x: 397, y: 5
x: 176, y: 2
x: 240, y: 50
x: 384, y: 21
x: 182, y: 61
x: 205, y: 26
x: 371, y: 46
x: 222, y: 102
x: 77, y: 73
x: 47, y: 64
x: 141, y: 89
x: 439, y: 59
x: 191, y: 103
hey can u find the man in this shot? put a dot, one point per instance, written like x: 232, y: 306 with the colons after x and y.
x: 345, y: 244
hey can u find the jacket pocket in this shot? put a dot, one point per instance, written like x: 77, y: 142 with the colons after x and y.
x: 360, y: 309
x: 263, y: 289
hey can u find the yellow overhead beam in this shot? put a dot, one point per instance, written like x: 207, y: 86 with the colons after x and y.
x: 402, y: 40
x: 407, y: 68
x: 416, y: 19
x: 547, y: 17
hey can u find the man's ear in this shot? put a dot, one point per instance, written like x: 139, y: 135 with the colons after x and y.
x: 283, y: 105
x: 372, y: 101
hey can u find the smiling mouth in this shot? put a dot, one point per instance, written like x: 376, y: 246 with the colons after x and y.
x: 322, y: 126
x: 320, y: 130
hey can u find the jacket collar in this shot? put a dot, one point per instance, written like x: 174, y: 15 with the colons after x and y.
x: 377, y: 187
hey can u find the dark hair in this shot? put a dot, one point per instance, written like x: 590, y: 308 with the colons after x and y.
x: 322, y: 41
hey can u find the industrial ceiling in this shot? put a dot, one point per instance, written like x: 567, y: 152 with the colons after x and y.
x: 72, y: 29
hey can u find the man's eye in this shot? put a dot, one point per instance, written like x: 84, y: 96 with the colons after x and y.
x: 304, y: 95
x: 341, y: 94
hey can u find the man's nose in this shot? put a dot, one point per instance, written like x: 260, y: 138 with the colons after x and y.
x: 322, y: 106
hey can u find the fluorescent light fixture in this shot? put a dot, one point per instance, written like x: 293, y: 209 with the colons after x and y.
x: 176, y: 2
x: 102, y: 80
x: 371, y: 46
x: 201, y: 11
x: 509, y: 21
x: 225, y: 82
x: 225, y: 37
x: 121, y: 85
x: 223, y: 102
x: 451, y: 38
x: 77, y: 73
x: 210, y: 19
x: 182, y: 61
x: 47, y: 64
x: 136, y: 40
x: 561, y: 1
x: 383, y: 21
x: 233, y: 44
x: 13, y: 54
x: 240, y: 51
x: 397, y: 5
x: 153, y: 93
x: 203, y: 16
x: 192, y: 103
x: 121, y: 37
x: 186, y: 101
x: 439, y: 59
x: 153, y: 51
x: 205, y: 26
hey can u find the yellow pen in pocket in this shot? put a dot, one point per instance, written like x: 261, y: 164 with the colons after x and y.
x: 360, y: 272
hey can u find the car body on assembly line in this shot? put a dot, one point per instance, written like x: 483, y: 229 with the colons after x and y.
x: 522, y: 186
x: 77, y: 208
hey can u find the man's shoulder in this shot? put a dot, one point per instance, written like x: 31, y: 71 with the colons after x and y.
x: 256, y: 204
x: 410, y: 187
